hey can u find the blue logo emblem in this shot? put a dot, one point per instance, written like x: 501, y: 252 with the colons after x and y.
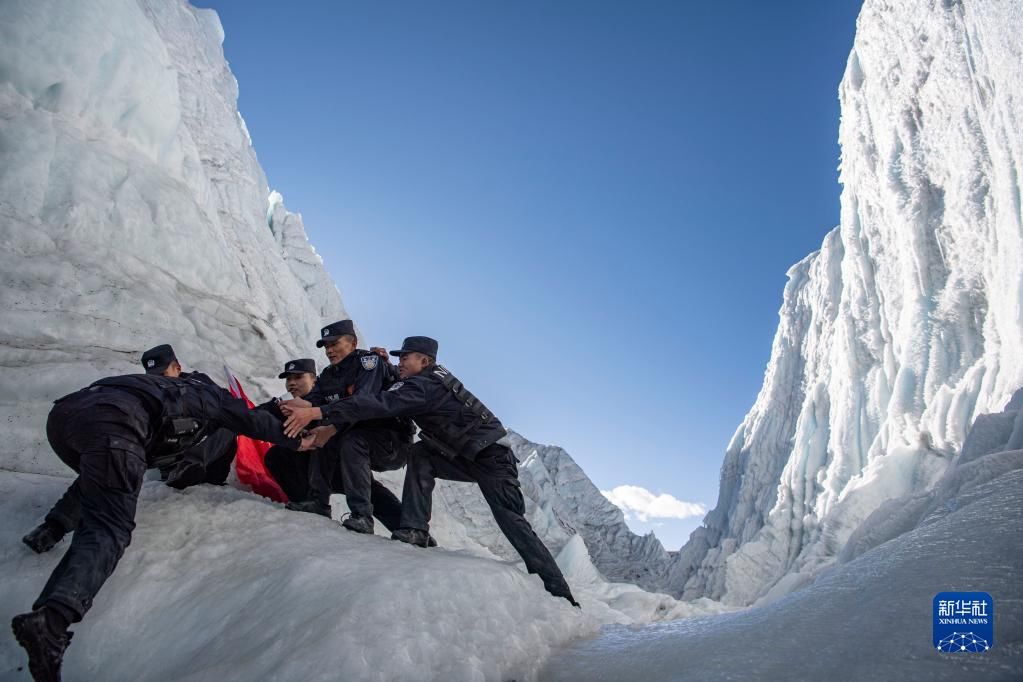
x: 964, y: 622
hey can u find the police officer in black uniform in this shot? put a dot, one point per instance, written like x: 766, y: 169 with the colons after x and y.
x: 288, y: 467
x: 110, y: 433
x: 346, y: 461
x: 458, y: 442
x: 208, y: 462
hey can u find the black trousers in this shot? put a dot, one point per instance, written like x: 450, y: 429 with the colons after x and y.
x: 344, y: 465
x: 290, y: 468
x: 361, y: 451
x: 101, y: 436
x: 497, y: 474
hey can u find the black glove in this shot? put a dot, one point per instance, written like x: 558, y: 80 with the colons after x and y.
x: 186, y: 474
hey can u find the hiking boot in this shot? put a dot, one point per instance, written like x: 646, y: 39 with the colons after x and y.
x: 43, y: 538
x: 359, y: 523
x: 44, y: 643
x: 310, y: 507
x: 413, y: 536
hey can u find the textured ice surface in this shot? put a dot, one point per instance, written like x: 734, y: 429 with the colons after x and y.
x: 220, y: 584
x: 907, y: 324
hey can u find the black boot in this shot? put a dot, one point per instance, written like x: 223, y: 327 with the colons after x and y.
x: 310, y: 507
x: 43, y: 538
x: 359, y: 523
x: 41, y: 634
x: 413, y: 536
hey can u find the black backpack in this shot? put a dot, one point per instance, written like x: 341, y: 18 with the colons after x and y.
x: 452, y: 440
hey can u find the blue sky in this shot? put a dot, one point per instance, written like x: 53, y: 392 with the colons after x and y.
x: 591, y: 205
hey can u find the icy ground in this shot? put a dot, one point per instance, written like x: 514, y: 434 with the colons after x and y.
x: 867, y: 619
x: 220, y: 584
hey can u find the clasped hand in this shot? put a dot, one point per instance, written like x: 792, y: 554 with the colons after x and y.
x: 299, y: 414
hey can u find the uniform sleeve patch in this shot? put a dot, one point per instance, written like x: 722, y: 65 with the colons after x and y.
x: 396, y: 386
x: 369, y: 361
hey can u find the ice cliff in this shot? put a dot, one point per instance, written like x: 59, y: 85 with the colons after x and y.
x: 906, y: 325
x: 133, y: 211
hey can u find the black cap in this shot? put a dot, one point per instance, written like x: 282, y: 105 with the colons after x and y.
x: 300, y: 366
x: 335, y: 331
x: 158, y: 358
x: 418, y: 344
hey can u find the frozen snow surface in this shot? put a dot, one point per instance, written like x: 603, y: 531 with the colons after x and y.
x: 221, y: 584
x: 906, y: 325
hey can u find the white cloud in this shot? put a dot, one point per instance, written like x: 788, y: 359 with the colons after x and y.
x: 639, y: 503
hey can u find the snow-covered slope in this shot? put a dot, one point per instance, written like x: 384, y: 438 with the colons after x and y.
x: 133, y: 212
x: 908, y: 322
x: 222, y: 584
x: 219, y: 584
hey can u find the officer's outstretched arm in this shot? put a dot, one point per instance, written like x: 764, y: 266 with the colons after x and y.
x: 234, y: 414
x: 404, y: 399
x: 407, y: 398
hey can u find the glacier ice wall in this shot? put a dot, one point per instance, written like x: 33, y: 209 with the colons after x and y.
x: 907, y: 323
x: 133, y: 211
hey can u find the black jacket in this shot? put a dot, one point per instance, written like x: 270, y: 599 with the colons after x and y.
x: 213, y: 407
x: 448, y: 425
x: 361, y: 373
x: 199, y: 376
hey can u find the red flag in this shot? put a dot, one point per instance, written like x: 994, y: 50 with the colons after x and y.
x: 249, y: 462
